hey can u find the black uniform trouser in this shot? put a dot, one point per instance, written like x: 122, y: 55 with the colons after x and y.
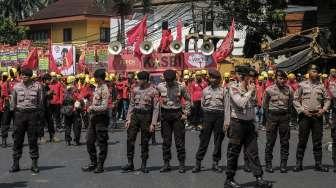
x: 7, y: 117
x: 242, y: 133
x: 139, y: 122
x: 55, y: 115
x: 48, y: 122
x: 85, y: 119
x: 212, y: 122
x: 315, y: 126
x: 171, y: 123
x: 97, y: 131
x: 277, y: 122
x: 73, y: 122
x: 26, y: 122
x: 333, y: 134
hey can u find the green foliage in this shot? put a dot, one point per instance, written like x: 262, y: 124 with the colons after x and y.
x: 10, y: 33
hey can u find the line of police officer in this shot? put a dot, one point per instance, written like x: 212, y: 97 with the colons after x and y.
x: 233, y: 107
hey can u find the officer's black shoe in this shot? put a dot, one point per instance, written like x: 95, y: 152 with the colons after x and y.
x: 182, y: 168
x: 34, y: 168
x: 247, y: 168
x: 197, y: 167
x: 69, y: 143
x: 144, y: 168
x: 298, y: 166
x: 154, y: 142
x: 263, y: 183
x: 269, y: 168
x: 335, y: 166
x: 99, y: 169
x: 4, y: 143
x: 216, y: 168
x: 231, y: 183
x: 128, y: 168
x: 15, y: 167
x: 166, y: 167
x: 283, y: 167
x: 77, y: 143
x: 320, y: 168
x: 89, y: 168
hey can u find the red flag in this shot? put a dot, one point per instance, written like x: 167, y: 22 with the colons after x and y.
x: 136, y: 35
x: 32, y: 60
x: 52, y: 64
x: 68, y: 59
x: 137, y: 32
x: 227, y: 45
x: 179, y: 30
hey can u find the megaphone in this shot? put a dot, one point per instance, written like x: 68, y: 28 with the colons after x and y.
x: 115, y: 48
x: 176, y: 47
x: 207, y: 48
x: 146, y: 47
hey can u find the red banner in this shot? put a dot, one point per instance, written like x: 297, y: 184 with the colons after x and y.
x: 162, y: 61
x: 123, y: 62
x: 196, y: 60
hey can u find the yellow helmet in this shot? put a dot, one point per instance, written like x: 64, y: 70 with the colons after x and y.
x: 5, y: 74
x: 59, y: 76
x: 186, y: 72
x: 204, y: 72
x: 324, y: 76
x: 92, y: 81
x: 87, y: 79
x: 14, y: 71
x: 186, y: 77
x: 112, y: 76
x: 71, y: 79
x: 53, y: 74
x: 291, y: 76
x: 260, y: 78
x: 226, y: 75
x: 270, y: 73
x: 198, y: 73
x: 264, y: 74
x: 34, y: 76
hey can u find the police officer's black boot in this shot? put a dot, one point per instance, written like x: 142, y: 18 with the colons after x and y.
x: 335, y: 165
x: 269, y: 167
x: 216, y: 167
x: 15, y: 167
x: 319, y: 167
x: 283, y: 166
x: 182, y: 168
x: 298, y: 166
x: 100, y: 168
x: 90, y: 167
x: 166, y: 167
x: 197, y: 167
x: 4, y: 142
x: 144, y: 168
x: 231, y: 183
x: 34, y: 168
x: 263, y: 183
x: 129, y: 167
x: 247, y: 168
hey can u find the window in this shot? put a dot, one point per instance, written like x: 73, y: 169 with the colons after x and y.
x: 67, y: 35
x: 39, y: 36
x: 105, y: 34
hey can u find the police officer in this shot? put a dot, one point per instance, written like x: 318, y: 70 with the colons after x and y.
x: 311, y: 101
x: 212, y: 103
x: 332, y: 91
x: 277, y: 103
x: 172, y: 116
x: 239, y: 122
x: 98, y: 127
x: 142, y: 115
x: 27, y: 102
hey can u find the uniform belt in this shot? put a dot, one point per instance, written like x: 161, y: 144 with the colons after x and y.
x: 27, y: 110
x: 171, y: 110
x: 214, y: 111
x: 282, y: 112
x: 313, y: 111
x: 143, y: 111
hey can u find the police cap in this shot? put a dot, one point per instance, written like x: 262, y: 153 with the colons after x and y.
x: 100, y: 74
x: 214, y: 74
x: 27, y: 72
x: 169, y: 75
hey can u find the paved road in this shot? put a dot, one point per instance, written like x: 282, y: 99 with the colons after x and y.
x: 60, y: 167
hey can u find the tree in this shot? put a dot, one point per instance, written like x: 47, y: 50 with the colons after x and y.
x: 124, y: 8
x: 10, y: 33
x: 20, y: 9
